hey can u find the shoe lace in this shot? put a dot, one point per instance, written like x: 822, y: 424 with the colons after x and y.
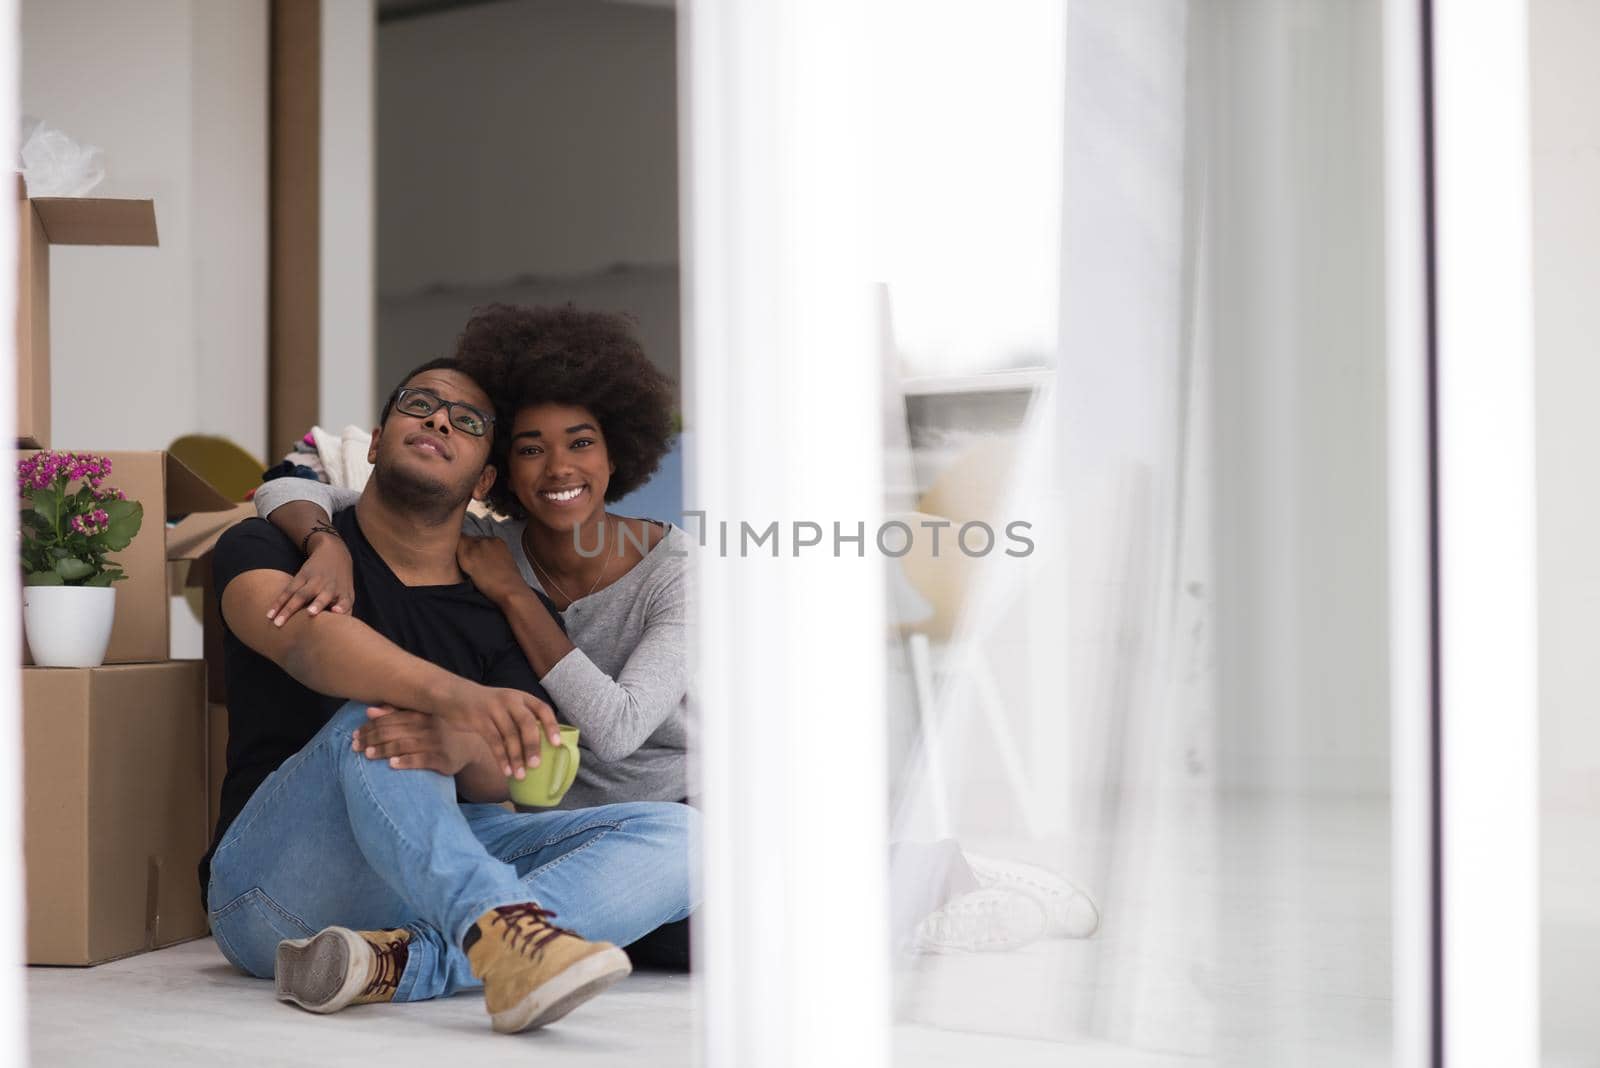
x: 529, y: 927
x: 391, y: 953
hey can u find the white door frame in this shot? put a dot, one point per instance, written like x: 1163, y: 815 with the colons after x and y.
x: 1479, y: 257
x: 1411, y: 579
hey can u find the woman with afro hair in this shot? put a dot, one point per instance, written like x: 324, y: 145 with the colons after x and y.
x: 583, y: 418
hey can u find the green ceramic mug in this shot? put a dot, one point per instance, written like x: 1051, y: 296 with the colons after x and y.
x: 548, y: 783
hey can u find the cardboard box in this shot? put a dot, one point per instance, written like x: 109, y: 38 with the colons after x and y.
x: 216, y: 762
x: 169, y: 491
x: 114, y: 779
x: 43, y: 222
x: 193, y: 540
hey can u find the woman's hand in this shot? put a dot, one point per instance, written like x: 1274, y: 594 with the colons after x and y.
x: 413, y: 740
x: 326, y: 580
x: 488, y: 562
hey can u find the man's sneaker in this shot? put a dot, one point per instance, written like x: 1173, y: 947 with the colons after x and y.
x: 1069, y: 910
x: 533, y: 972
x: 337, y: 967
x: 983, y: 921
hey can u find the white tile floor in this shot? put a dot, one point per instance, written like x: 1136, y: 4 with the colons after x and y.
x: 186, y: 1006
x: 1234, y: 932
x: 1271, y: 947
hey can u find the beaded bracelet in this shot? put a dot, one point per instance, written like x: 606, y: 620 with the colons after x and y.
x: 319, y: 528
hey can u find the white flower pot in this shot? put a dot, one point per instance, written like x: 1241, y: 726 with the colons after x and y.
x: 68, y: 626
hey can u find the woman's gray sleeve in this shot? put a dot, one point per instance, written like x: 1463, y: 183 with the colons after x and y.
x: 616, y: 716
x: 273, y: 495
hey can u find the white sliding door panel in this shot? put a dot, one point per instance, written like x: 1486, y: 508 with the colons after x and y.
x: 1488, y: 632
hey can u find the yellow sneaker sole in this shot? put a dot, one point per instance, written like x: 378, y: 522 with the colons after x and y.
x: 564, y: 992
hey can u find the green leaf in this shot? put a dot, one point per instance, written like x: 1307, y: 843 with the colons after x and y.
x: 124, y: 520
x: 73, y: 570
x: 107, y: 577
x: 43, y: 578
x: 48, y: 504
x: 58, y: 553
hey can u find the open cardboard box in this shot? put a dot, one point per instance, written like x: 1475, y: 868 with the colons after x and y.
x: 115, y: 778
x: 192, y: 540
x: 169, y: 491
x: 42, y: 222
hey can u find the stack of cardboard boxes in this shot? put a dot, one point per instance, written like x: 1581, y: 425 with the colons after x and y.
x: 116, y: 759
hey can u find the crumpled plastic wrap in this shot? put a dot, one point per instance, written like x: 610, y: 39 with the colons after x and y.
x: 54, y: 165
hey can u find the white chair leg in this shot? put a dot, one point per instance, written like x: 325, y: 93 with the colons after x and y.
x: 937, y: 786
x: 992, y: 707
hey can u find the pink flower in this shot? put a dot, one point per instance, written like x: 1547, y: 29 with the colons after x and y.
x: 43, y: 470
x: 91, y: 523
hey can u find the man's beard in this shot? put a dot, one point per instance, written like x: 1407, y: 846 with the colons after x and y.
x: 427, y: 499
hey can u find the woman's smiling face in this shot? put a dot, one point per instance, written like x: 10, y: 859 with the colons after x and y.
x: 558, y: 466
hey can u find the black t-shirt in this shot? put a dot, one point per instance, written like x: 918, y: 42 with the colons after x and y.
x: 271, y: 716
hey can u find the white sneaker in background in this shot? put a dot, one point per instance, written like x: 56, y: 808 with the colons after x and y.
x: 1070, y: 911
x: 983, y: 921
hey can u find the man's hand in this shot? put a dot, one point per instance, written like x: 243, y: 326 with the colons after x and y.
x: 414, y: 740
x: 325, y: 580
x: 488, y: 562
x: 507, y: 720
x: 346, y: 657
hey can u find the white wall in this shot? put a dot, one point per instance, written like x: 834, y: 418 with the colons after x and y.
x: 1564, y: 37
x: 149, y: 344
x: 1566, y: 173
x: 525, y: 148
x: 416, y: 328
x: 348, y: 342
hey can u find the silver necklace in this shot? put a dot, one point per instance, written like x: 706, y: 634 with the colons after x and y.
x: 571, y: 600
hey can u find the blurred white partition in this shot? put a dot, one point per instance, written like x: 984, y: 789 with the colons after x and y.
x: 781, y: 386
x: 1132, y: 423
x: 13, y: 1005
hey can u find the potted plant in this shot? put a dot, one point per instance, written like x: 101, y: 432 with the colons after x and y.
x: 70, y: 521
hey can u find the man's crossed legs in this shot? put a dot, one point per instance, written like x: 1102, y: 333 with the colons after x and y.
x: 333, y: 839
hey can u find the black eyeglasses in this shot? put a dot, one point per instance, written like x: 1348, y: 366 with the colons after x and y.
x: 464, y: 417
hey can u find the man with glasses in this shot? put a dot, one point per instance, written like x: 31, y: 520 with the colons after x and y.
x: 350, y: 877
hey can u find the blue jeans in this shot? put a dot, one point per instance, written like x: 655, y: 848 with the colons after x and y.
x: 332, y: 838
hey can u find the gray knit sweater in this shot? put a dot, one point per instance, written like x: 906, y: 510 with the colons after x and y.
x: 625, y: 684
